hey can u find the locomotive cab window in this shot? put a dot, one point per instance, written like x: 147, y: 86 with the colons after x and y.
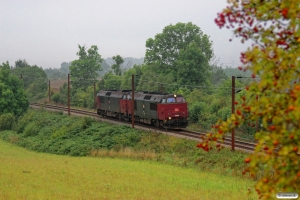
x: 171, y: 100
x: 180, y: 99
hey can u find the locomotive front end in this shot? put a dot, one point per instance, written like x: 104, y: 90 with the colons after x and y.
x: 173, y: 112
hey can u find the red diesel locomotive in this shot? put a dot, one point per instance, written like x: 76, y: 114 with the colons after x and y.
x: 161, y: 110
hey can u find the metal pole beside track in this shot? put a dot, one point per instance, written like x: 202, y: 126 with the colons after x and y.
x: 132, y: 111
x: 68, y: 94
x: 49, y: 92
x: 94, y: 94
x: 232, y: 109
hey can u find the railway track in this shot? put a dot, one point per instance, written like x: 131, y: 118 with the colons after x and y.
x: 239, y: 144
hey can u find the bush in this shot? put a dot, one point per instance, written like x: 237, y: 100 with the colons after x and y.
x: 86, y: 122
x: 7, y: 121
x: 31, y: 129
x: 224, y: 113
x: 55, y: 98
x: 195, y: 111
x: 23, y: 121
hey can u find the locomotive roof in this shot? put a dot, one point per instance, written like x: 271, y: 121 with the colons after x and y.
x: 156, y: 97
x: 145, y: 95
x: 113, y: 93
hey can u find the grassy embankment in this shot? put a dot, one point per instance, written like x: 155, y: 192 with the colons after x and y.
x: 28, y: 175
x: 213, y: 175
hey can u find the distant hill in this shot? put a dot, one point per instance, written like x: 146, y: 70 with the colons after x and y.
x: 63, y: 71
x: 236, y: 72
x: 127, y: 61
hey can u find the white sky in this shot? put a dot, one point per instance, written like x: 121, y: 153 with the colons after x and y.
x: 47, y: 33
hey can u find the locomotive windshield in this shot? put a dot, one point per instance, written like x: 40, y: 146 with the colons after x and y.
x: 171, y: 100
x: 180, y: 99
x: 175, y: 99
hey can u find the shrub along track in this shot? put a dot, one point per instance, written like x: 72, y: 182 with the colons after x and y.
x: 239, y: 144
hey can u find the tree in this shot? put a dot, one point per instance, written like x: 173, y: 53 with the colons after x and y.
x: 12, y: 95
x: 110, y: 81
x: 117, y: 65
x: 83, y: 70
x: 163, y: 51
x: 127, y: 78
x: 192, y: 66
x: 218, y: 75
x: 63, y: 93
x: 56, y: 98
x: 34, y: 79
x: 21, y: 63
x: 273, y: 26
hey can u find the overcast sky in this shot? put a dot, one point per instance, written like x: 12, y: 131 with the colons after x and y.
x: 47, y: 33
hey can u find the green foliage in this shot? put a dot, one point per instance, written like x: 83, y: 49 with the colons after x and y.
x: 60, y: 132
x: 181, y: 53
x: 192, y: 66
x: 63, y: 94
x: 83, y: 98
x: 60, y: 73
x: 55, y: 98
x: 105, y: 68
x: 34, y: 79
x: 86, y: 122
x: 12, y: 95
x: 218, y: 75
x: 195, y: 110
x: 163, y: 51
x: 224, y: 112
x: 7, y: 121
x: 76, y: 136
x: 110, y: 81
x: 31, y: 129
x: 83, y: 75
x: 236, y: 72
x: 117, y: 66
x: 84, y: 69
x: 21, y: 64
x: 149, y: 80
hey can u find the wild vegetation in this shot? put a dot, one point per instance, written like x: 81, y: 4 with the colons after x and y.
x: 13, y: 98
x: 273, y: 27
x: 56, y: 133
x: 186, y: 65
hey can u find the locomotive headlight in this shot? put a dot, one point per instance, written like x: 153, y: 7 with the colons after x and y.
x: 175, y: 95
x: 170, y: 117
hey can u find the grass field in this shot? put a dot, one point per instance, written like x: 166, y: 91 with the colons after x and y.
x: 29, y: 175
x: 56, y: 84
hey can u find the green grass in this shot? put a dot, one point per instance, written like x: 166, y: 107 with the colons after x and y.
x: 28, y: 175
